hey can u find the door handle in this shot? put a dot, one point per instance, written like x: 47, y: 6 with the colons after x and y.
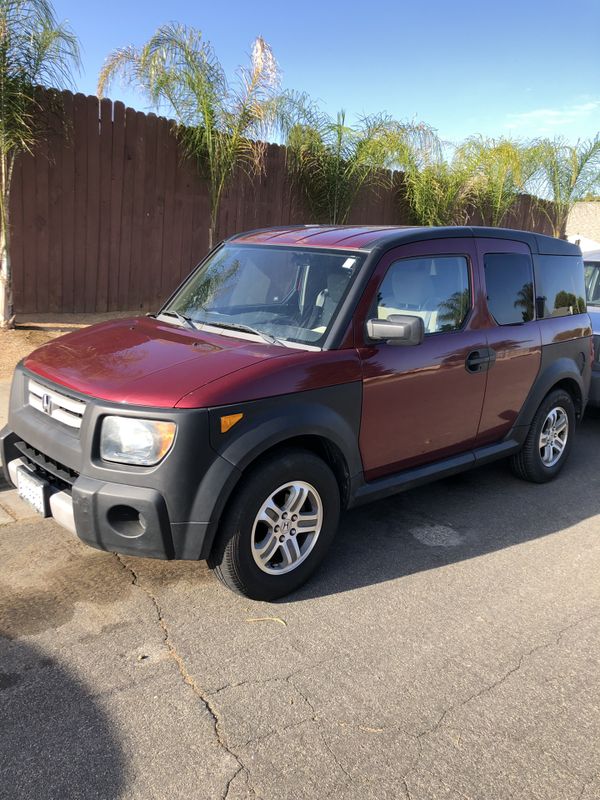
x: 480, y: 360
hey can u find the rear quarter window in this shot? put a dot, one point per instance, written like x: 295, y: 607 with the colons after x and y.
x: 559, y: 285
x: 509, y: 287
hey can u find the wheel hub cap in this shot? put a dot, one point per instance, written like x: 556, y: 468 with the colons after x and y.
x: 287, y: 527
x: 554, y: 435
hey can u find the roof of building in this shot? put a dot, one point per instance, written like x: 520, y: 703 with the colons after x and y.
x: 592, y: 255
x: 368, y: 237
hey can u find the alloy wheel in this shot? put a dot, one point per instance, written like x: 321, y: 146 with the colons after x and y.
x: 554, y: 435
x: 287, y: 527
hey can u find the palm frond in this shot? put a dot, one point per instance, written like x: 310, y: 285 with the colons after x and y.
x: 35, y: 51
x: 221, y: 125
x: 566, y: 173
x: 499, y: 170
x: 331, y: 160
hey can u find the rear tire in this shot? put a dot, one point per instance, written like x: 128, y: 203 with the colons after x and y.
x: 549, y: 440
x: 279, y: 524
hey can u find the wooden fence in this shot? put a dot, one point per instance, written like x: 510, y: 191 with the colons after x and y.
x: 108, y: 215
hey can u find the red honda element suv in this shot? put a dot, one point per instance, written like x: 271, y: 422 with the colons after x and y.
x: 299, y: 371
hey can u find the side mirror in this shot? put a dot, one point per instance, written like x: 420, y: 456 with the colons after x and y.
x: 398, y: 329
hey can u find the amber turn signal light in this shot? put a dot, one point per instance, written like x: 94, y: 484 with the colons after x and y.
x: 229, y: 420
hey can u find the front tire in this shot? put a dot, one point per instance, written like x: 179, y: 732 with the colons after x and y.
x: 549, y: 440
x: 278, y: 527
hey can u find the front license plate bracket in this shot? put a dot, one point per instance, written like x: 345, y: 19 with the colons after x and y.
x: 34, y: 490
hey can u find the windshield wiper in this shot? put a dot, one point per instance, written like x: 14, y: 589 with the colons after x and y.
x: 185, y: 321
x: 238, y: 326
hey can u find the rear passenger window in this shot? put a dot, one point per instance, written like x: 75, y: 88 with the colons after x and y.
x: 435, y: 289
x: 560, y: 286
x: 509, y: 287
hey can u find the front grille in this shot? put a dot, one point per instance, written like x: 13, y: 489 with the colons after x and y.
x: 56, y: 405
x: 47, y: 466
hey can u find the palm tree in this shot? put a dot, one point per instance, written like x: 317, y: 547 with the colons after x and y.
x: 453, y: 311
x: 567, y: 173
x: 524, y: 301
x: 332, y: 160
x: 221, y: 124
x: 35, y: 50
x: 499, y: 170
x: 437, y: 189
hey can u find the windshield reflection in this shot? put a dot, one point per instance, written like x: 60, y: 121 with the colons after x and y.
x: 281, y: 294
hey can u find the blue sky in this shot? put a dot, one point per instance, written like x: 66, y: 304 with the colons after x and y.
x: 525, y: 69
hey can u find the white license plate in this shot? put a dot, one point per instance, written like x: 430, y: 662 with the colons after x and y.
x: 32, y: 489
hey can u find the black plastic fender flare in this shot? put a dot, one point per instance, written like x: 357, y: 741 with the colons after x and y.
x: 564, y: 368
x: 332, y: 414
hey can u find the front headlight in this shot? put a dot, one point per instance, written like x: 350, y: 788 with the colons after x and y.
x: 142, y: 442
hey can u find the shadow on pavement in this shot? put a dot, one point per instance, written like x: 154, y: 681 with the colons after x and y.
x: 55, y: 741
x: 466, y: 516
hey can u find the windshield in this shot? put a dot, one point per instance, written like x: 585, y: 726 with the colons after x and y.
x: 592, y: 282
x: 288, y: 294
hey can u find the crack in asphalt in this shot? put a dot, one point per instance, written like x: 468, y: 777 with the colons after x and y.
x: 506, y: 676
x: 272, y: 679
x: 282, y: 729
x: 319, y: 727
x: 188, y: 678
x: 406, y: 789
x: 290, y: 680
x: 490, y: 688
x: 587, y: 782
x: 336, y: 760
x: 231, y: 780
x: 205, y: 698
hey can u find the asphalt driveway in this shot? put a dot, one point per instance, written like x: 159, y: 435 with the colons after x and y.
x: 450, y: 648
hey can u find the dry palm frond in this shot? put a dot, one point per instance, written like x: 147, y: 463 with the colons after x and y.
x: 221, y: 124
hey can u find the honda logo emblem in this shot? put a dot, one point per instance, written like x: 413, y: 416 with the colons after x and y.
x: 46, y: 404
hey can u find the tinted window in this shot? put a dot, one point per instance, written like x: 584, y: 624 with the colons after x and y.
x: 509, y: 287
x: 435, y: 289
x: 560, y: 286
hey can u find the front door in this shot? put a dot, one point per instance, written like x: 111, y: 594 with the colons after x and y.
x: 422, y: 403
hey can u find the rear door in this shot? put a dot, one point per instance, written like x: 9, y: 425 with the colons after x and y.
x: 513, y: 334
x: 424, y: 402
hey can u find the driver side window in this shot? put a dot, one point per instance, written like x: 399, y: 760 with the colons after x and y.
x: 436, y: 289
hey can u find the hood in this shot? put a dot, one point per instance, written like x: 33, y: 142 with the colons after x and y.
x: 143, y: 361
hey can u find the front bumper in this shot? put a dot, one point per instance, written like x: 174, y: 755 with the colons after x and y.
x: 167, y: 511
x: 127, y: 519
